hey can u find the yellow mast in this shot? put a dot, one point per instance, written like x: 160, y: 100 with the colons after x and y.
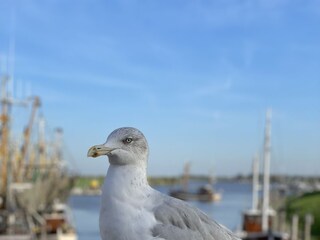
x: 4, y: 137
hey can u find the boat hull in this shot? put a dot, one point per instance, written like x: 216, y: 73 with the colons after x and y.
x: 187, y: 196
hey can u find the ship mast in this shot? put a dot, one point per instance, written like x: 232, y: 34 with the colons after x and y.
x: 25, y: 147
x: 255, y: 182
x: 266, y: 175
x: 4, y: 136
x: 41, y: 142
x: 58, y: 136
x: 185, y: 178
x: 6, y: 165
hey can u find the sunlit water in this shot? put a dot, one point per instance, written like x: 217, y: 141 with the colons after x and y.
x: 236, y: 197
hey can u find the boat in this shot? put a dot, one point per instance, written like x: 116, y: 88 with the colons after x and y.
x: 34, y: 183
x: 58, y: 222
x: 204, y: 193
x: 258, y: 223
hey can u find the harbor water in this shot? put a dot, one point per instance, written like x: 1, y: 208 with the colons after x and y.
x: 236, y: 197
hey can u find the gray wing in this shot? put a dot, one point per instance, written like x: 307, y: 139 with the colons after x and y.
x: 178, y: 220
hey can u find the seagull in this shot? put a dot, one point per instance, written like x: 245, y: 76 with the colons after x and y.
x: 132, y: 210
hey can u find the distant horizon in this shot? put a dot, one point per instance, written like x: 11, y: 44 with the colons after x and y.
x: 225, y: 176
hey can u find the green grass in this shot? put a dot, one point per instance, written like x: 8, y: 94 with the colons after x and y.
x: 306, y: 204
x: 84, y: 182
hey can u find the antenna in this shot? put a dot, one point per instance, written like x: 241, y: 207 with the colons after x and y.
x: 3, y: 64
x: 12, y: 44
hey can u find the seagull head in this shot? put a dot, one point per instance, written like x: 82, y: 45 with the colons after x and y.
x: 124, y: 146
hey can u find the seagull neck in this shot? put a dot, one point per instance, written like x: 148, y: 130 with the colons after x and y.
x: 128, y: 175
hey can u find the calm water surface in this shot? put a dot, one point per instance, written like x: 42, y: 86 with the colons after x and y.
x: 235, y: 198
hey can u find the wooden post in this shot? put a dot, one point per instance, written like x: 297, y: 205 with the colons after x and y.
x: 294, y: 227
x: 307, y: 226
x: 282, y: 221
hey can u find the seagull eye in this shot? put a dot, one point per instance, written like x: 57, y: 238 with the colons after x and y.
x: 127, y: 140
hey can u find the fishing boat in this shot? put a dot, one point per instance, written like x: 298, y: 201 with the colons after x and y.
x: 204, y: 193
x: 34, y: 182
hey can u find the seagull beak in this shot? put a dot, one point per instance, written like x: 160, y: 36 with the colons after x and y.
x: 99, y: 150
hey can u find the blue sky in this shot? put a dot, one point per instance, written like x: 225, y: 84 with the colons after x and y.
x: 195, y: 76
